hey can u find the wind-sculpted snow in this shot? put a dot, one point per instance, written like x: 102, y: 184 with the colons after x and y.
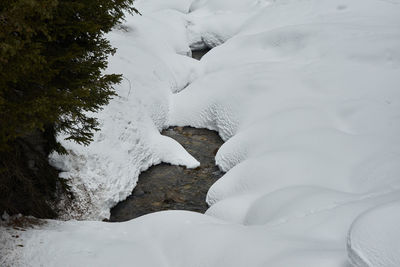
x: 311, y: 118
x: 306, y: 95
x: 373, y: 238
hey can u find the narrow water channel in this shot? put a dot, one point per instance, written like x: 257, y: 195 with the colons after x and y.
x: 198, y: 54
x: 168, y: 187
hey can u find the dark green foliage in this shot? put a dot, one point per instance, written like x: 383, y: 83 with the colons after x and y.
x: 52, y: 54
x: 28, y: 183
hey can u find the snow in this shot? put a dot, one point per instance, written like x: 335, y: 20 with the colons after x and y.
x: 305, y: 94
x: 373, y: 238
x: 129, y: 142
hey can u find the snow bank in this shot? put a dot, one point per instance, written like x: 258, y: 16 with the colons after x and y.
x: 374, y: 237
x: 152, y: 58
x: 181, y: 238
x: 312, y: 100
x: 305, y: 94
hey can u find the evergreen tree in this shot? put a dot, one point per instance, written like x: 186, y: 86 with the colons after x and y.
x: 52, y: 54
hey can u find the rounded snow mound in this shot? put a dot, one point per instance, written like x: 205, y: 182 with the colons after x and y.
x: 374, y: 236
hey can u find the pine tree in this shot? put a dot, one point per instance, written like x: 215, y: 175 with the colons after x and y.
x: 52, y: 53
x: 52, y: 57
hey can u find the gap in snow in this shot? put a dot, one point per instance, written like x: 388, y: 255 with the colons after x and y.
x: 169, y: 187
x: 198, y: 54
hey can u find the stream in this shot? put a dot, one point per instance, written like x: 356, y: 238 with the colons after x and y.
x: 169, y: 187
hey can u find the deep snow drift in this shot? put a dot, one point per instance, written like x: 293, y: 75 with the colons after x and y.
x: 306, y: 95
x: 374, y: 237
x: 154, y: 64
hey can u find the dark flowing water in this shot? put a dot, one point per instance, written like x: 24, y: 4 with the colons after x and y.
x: 168, y: 187
x: 198, y: 54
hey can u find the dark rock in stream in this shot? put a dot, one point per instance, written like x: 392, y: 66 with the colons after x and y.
x: 168, y: 187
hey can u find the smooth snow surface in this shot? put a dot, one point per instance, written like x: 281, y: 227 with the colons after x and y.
x: 306, y: 95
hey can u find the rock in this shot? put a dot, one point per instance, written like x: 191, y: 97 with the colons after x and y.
x: 157, y: 204
x: 137, y: 192
x: 5, y: 216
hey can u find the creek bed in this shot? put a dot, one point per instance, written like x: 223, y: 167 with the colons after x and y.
x: 169, y: 187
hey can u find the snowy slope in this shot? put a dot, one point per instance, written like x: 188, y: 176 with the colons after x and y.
x: 153, y: 65
x: 306, y: 95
